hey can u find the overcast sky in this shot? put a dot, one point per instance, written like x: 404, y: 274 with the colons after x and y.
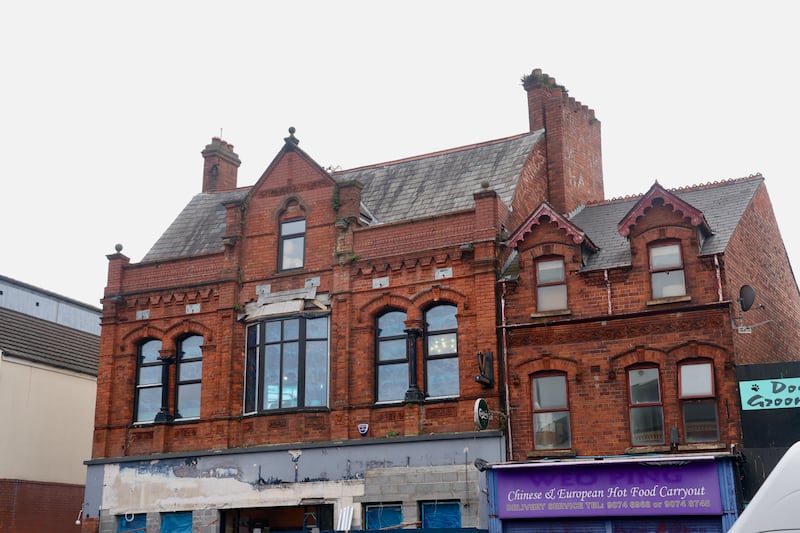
x: 105, y: 106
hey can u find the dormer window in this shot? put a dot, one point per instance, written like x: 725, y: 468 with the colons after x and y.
x: 551, y: 285
x: 292, y: 244
x: 666, y: 270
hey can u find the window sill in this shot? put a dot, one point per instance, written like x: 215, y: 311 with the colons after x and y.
x: 539, y: 454
x: 658, y: 448
x: 670, y: 300
x: 701, y: 446
x: 557, y: 312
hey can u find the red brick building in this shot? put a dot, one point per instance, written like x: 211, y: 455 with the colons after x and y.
x: 314, y: 350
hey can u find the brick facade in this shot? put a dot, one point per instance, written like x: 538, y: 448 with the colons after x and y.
x: 353, y: 271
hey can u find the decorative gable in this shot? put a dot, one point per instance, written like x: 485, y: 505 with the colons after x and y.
x: 545, y: 214
x: 658, y: 196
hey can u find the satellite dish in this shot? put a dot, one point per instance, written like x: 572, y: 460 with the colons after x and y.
x: 747, y: 295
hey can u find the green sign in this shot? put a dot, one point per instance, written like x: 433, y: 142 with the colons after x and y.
x: 482, y: 414
x: 778, y: 393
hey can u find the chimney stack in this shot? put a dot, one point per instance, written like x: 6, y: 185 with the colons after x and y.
x: 572, y: 137
x: 220, y: 166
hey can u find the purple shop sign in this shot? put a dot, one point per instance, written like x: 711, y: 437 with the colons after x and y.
x: 609, y: 489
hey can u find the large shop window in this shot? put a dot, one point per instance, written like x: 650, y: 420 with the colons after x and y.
x: 551, y: 285
x: 666, y: 270
x: 440, y: 515
x: 287, y: 364
x: 551, y: 421
x: 441, y: 351
x: 700, y: 422
x: 189, y: 376
x: 383, y: 516
x: 292, y: 244
x: 392, y: 356
x: 149, y: 386
x: 646, y: 408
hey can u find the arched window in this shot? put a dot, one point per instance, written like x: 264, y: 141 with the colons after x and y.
x: 189, y: 376
x: 149, y: 385
x: 646, y: 407
x: 697, y: 394
x: 551, y: 420
x: 441, y: 351
x: 391, y: 356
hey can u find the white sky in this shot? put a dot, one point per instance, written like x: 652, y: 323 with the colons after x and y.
x: 105, y: 106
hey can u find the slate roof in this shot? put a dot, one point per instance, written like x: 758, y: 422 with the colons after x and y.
x: 426, y: 185
x: 722, y: 203
x: 442, y: 182
x: 198, y: 229
x: 48, y: 343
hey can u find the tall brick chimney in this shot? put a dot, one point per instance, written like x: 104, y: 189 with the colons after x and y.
x: 572, y: 137
x: 220, y: 166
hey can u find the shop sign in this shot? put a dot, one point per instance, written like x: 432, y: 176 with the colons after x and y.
x: 616, y: 489
x: 780, y: 393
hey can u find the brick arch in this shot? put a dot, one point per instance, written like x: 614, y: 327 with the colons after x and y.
x: 637, y: 355
x: 438, y: 295
x: 145, y: 331
x: 189, y: 326
x: 548, y: 363
x: 385, y: 301
x: 278, y: 213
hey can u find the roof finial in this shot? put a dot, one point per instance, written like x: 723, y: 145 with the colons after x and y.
x: 291, y: 140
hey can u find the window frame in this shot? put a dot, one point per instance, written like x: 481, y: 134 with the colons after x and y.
x: 545, y: 410
x: 547, y: 285
x: 180, y: 383
x: 432, y: 360
x: 256, y: 354
x: 643, y: 405
x: 379, y: 362
x: 394, y: 506
x: 285, y: 237
x: 158, y: 385
x: 657, y: 272
x: 424, y: 517
x: 702, y: 399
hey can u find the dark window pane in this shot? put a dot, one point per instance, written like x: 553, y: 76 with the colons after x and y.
x: 550, y: 392
x: 700, y: 421
x: 441, y: 317
x: 148, y: 404
x: 189, y: 401
x: 392, y: 382
x: 551, y: 430
x: 190, y: 371
x: 190, y: 347
x: 150, y: 375
x: 647, y: 425
x: 442, y: 375
x: 644, y: 386
x: 293, y: 253
x: 392, y: 350
x: 148, y: 352
x: 446, y: 343
x: 392, y: 324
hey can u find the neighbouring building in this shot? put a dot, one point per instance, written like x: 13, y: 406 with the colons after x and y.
x: 49, y: 346
x: 473, y: 338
